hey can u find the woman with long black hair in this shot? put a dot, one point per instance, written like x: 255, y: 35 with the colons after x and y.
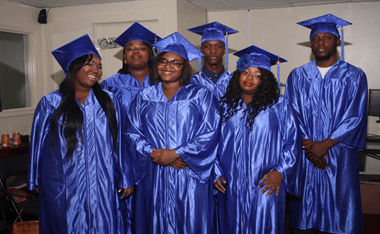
x: 258, y: 148
x: 75, y: 143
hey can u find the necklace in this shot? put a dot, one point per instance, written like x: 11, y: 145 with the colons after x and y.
x: 82, y: 104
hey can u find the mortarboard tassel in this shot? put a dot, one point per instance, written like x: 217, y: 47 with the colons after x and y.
x: 155, y: 50
x: 200, y: 64
x: 226, y: 59
x: 342, y: 43
x: 278, y: 73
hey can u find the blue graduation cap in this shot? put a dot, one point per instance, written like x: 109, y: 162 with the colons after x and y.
x: 254, y: 56
x: 214, y: 31
x: 176, y: 43
x: 66, y: 54
x: 326, y: 24
x: 137, y: 32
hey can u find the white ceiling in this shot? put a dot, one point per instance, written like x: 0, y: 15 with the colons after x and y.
x: 210, y: 5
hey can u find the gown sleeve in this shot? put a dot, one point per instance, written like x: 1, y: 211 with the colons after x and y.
x: 104, y: 85
x: 290, y: 165
x: 124, y: 179
x: 199, y: 153
x: 194, y: 79
x: 217, y: 171
x: 39, y: 139
x: 139, y: 148
x: 293, y: 95
x: 352, y: 125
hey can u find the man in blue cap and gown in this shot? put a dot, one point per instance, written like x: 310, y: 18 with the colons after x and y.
x: 214, y: 45
x: 329, y: 97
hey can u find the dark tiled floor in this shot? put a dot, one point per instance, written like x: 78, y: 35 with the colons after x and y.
x: 371, y: 224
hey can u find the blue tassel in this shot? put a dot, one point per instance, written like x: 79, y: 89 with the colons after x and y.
x: 278, y: 72
x: 342, y: 42
x: 199, y: 63
x: 278, y: 75
x: 226, y: 59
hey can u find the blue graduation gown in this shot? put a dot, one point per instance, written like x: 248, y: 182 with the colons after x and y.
x: 126, y: 81
x: 169, y: 200
x: 77, y: 195
x: 218, y: 89
x: 334, y: 107
x: 245, y: 157
x: 125, y: 87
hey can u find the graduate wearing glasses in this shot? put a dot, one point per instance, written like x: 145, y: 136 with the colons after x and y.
x: 172, y: 134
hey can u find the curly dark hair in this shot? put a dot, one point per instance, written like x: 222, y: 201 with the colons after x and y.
x: 125, y: 68
x: 267, y: 94
x: 185, y: 76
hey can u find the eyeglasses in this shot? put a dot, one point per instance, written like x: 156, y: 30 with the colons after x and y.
x: 173, y: 63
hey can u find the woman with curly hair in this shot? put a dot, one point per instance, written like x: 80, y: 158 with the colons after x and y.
x: 172, y: 135
x: 257, y: 148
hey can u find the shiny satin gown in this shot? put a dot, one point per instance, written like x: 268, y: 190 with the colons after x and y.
x: 125, y: 87
x: 169, y: 200
x: 245, y: 156
x: 77, y: 195
x: 218, y: 89
x: 126, y: 81
x: 334, y: 107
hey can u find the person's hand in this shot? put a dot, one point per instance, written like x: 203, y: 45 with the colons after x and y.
x: 219, y: 186
x: 126, y: 192
x: 321, y: 163
x: 319, y: 148
x: 307, y: 144
x: 155, y: 153
x: 272, y: 181
x: 316, y: 152
x: 178, y: 164
x: 163, y: 157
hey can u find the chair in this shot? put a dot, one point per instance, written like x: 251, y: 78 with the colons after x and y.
x: 11, y: 167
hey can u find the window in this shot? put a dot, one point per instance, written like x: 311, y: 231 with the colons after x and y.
x: 14, y: 82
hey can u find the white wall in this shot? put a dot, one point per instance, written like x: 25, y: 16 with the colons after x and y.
x: 190, y: 16
x: 18, y: 18
x: 64, y: 25
x: 272, y: 29
x: 276, y: 31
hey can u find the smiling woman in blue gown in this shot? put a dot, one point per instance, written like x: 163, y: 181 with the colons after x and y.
x: 75, y: 142
x: 172, y: 133
x: 258, y: 146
